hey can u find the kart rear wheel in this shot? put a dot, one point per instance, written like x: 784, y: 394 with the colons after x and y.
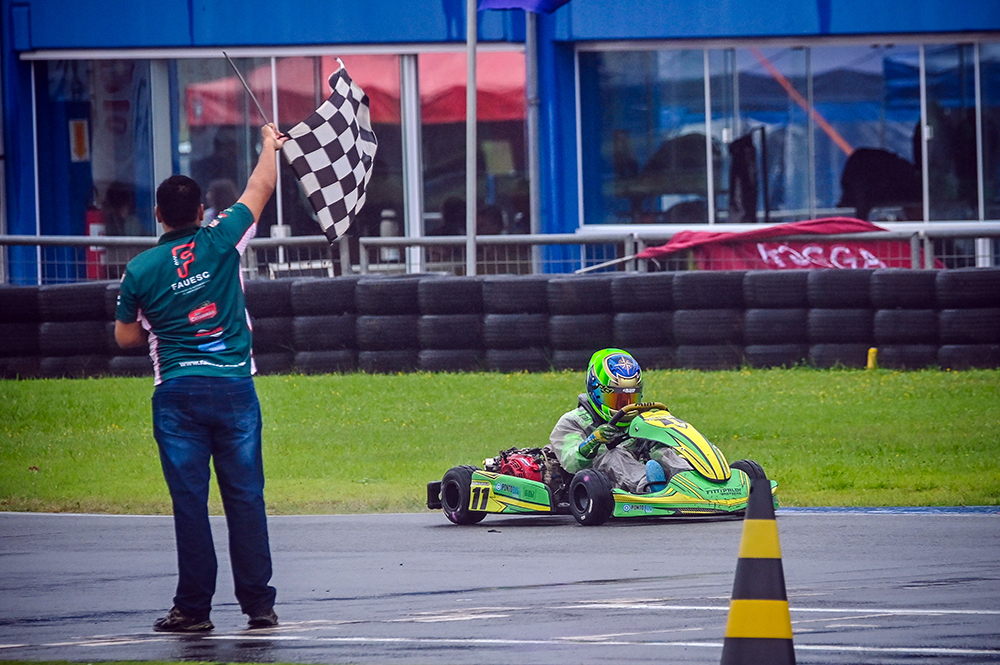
x: 455, y: 496
x: 590, y: 497
x: 753, y: 470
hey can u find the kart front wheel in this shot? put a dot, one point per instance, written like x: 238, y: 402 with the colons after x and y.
x: 753, y: 470
x: 590, y: 498
x: 455, y: 496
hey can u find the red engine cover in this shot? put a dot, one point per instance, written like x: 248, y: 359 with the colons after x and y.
x: 521, y: 466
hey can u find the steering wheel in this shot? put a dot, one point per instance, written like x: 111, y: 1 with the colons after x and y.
x: 629, y: 410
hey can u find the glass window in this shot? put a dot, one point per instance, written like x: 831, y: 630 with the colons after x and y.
x: 502, y: 198
x: 867, y: 113
x: 95, y: 158
x: 648, y: 108
x: 737, y: 175
x: 219, y: 128
x: 951, y: 146
x: 989, y: 74
x: 773, y: 101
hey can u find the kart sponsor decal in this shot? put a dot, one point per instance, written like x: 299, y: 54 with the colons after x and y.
x: 213, y: 347
x: 183, y: 255
x: 203, y: 312
x: 735, y: 491
x: 506, y: 488
x: 479, y: 496
x: 632, y: 507
x: 665, y: 421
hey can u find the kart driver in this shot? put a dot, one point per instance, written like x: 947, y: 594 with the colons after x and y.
x: 580, y: 439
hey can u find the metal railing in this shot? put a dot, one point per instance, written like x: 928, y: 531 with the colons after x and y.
x: 54, y: 259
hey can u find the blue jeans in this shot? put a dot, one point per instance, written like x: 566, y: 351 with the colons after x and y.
x: 198, y: 419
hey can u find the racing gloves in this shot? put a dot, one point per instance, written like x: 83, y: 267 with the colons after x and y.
x: 603, y: 434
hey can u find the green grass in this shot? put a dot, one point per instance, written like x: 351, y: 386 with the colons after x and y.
x: 369, y: 443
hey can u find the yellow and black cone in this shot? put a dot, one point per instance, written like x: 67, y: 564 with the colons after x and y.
x: 759, y: 629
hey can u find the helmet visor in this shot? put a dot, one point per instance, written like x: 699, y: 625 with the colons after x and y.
x: 619, y: 398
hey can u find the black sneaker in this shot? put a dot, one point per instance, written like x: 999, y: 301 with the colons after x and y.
x: 265, y: 619
x: 178, y: 622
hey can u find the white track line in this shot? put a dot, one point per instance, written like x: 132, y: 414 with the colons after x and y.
x: 104, y: 641
x: 562, y: 641
x: 725, y: 608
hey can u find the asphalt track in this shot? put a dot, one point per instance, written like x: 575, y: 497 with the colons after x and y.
x: 881, y: 586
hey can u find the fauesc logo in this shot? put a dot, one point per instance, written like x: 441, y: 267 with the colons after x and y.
x: 183, y: 255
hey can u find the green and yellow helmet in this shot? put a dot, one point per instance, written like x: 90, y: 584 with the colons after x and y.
x: 614, y: 380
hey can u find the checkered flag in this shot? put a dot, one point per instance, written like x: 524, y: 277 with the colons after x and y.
x: 332, y: 152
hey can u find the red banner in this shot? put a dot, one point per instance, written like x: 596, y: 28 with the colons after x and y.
x: 762, y: 249
x: 803, y: 255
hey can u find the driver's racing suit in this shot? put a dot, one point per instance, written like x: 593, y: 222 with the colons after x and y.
x: 621, y: 463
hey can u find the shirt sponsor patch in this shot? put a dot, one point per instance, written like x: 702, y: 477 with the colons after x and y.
x: 192, y: 283
x: 214, y: 332
x: 183, y: 255
x: 213, y: 347
x: 204, y: 312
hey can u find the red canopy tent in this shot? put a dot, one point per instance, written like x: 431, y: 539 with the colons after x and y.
x: 500, y: 81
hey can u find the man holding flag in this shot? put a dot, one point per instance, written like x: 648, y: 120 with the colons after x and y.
x: 185, y: 298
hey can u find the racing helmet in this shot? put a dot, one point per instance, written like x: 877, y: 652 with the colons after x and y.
x: 614, y: 380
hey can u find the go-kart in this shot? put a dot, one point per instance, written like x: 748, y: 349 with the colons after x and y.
x: 508, y: 484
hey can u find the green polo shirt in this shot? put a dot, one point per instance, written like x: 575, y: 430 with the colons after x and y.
x: 187, y: 293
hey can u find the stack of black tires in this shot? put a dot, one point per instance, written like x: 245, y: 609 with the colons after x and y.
x: 697, y: 319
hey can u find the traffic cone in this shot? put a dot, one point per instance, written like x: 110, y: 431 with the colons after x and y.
x: 759, y: 629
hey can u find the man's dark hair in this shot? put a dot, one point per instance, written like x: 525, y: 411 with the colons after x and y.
x: 178, y: 198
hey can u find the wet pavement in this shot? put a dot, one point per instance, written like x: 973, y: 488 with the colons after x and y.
x: 877, y: 586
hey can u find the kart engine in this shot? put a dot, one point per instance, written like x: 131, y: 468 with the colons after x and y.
x: 518, y: 462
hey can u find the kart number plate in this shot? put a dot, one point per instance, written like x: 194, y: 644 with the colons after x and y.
x: 479, y: 495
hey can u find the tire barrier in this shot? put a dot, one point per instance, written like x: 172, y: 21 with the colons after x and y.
x: 696, y: 320
x: 839, y: 289
x: 773, y: 289
x: 709, y: 289
x: 970, y: 326
x: 341, y: 361
x: 450, y: 295
x: 450, y: 331
x: 894, y: 288
x: 72, y: 302
x: 273, y: 334
x: 317, y: 296
x: 267, y: 298
x: 905, y: 326
x: 642, y: 292
x: 709, y: 356
x: 387, y: 296
x: 841, y: 326
x: 515, y: 331
x: 907, y: 356
x: 19, y: 304
x: 509, y: 294
x: 388, y: 361
x: 708, y: 326
x: 776, y: 355
x: 387, y: 333
x: 571, y: 332
x: 642, y: 329
x: 967, y: 287
x: 776, y: 326
x: 579, y: 295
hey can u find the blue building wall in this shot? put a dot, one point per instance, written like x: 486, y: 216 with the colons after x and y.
x: 584, y: 20
x: 32, y: 25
